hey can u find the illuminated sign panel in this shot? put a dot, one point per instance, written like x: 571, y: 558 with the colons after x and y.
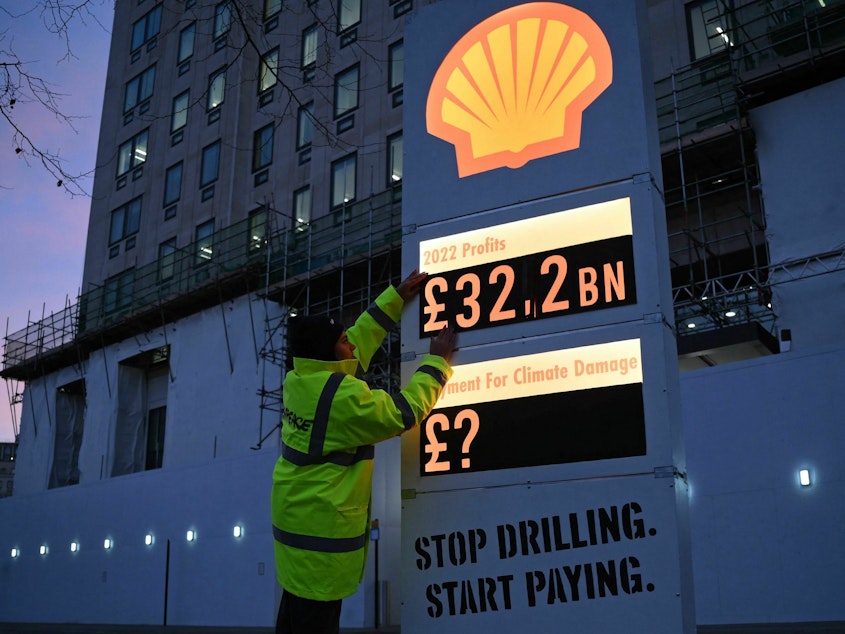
x: 560, y: 263
x: 548, y: 408
x: 513, y: 88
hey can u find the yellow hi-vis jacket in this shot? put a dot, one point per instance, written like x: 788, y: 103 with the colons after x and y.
x: 322, y: 483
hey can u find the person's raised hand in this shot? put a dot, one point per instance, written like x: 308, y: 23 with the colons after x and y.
x: 443, y: 343
x: 411, y: 285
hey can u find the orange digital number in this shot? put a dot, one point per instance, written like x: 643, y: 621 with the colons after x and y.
x: 550, y: 304
x: 434, y: 447
x: 432, y: 307
x: 470, y: 302
x: 497, y: 314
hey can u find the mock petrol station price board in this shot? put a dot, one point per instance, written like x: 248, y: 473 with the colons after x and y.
x: 547, y: 266
x: 553, y: 407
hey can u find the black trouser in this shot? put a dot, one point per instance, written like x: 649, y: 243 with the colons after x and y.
x: 307, y: 616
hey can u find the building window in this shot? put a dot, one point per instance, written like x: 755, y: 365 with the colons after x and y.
x: 166, y: 260
x: 172, y: 184
x: 394, y: 160
x: 146, y: 29
x: 118, y: 291
x: 262, y: 147
x: 139, y: 89
x: 179, y: 113
x: 216, y: 89
x: 204, y: 242
x: 133, y: 153
x: 271, y: 8
x: 69, y: 421
x: 346, y: 91
x: 268, y: 70
x: 186, y: 47
x: 396, y: 71
x: 305, y: 126
x: 348, y: 14
x: 210, y: 167
x: 222, y: 20
x: 707, y: 30
x: 142, y: 387
x: 125, y: 221
x: 343, y: 181
x: 309, y: 52
x: 257, y: 236
x: 302, y: 208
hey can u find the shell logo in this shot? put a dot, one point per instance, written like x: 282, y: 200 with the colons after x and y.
x: 513, y: 89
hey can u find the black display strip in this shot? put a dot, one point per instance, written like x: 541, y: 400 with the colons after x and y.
x: 572, y: 279
x: 595, y: 424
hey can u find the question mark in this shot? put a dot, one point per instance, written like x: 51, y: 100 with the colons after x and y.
x: 472, y: 416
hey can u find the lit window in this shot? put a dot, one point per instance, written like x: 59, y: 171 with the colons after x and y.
x: 125, y: 221
x: 346, y: 91
x: 302, y: 208
x: 394, y: 160
x: 343, y: 181
x: 707, y: 30
x: 132, y: 153
x: 216, y: 89
x: 146, y: 28
x: 204, y: 241
x: 268, y: 70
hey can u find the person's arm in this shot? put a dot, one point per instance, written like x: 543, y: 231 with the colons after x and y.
x: 381, y: 316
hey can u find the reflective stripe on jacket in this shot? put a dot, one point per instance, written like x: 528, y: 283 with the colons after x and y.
x: 322, y: 482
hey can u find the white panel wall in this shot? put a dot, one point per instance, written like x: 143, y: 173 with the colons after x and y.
x: 764, y: 548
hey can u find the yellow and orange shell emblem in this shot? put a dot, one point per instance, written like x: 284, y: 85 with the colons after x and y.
x: 513, y: 89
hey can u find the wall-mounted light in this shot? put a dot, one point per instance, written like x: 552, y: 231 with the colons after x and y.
x: 74, y: 547
x: 43, y: 550
x: 108, y: 544
x: 149, y: 540
x: 804, y: 477
x: 238, y: 530
x: 730, y: 313
x: 15, y: 553
x: 191, y: 536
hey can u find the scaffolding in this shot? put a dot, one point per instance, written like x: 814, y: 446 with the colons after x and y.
x: 335, y: 264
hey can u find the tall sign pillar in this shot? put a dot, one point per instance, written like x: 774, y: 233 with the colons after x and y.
x: 547, y: 489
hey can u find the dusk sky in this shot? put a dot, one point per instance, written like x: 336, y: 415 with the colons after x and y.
x: 43, y: 230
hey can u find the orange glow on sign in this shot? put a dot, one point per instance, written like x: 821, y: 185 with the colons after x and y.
x: 514, y: 88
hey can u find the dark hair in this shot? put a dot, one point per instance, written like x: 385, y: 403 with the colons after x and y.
x: 312, y: 338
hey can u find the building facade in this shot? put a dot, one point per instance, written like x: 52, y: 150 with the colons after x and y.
x: 250, y: 165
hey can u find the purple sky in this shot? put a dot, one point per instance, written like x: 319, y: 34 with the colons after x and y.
x: 42, y: 227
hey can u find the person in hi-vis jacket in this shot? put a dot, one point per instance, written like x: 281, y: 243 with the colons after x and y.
x: 322, y: 482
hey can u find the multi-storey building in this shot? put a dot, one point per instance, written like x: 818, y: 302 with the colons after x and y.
x: 250, y: 164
